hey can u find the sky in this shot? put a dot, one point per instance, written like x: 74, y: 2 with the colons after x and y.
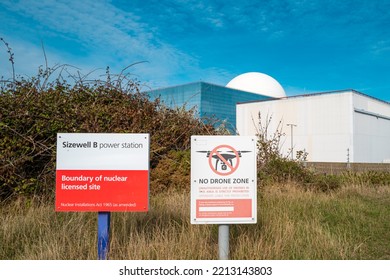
x: 307, y: 46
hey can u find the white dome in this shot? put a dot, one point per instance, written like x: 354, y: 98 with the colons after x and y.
x: 257, y: 83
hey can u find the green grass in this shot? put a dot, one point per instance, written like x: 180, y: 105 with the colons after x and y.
x: 349, y: 223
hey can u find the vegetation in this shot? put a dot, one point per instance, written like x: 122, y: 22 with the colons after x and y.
x: 274, y: 168
x: 349, y: 223
x: 301, y: 214
x: 31, y: 115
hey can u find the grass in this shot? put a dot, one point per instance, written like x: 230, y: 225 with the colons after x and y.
x: 349, y: 223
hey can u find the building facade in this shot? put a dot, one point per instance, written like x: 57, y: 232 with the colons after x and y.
x: 339, y: 126
x: 212, y: 103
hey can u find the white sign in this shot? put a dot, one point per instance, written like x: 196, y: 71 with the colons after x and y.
x: 103, y: 151
x: 102, y: 172
x: 223, y: 180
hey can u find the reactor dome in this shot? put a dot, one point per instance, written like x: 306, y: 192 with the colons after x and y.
x: 257, y: 83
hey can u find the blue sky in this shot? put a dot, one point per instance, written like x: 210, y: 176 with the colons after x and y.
x: 308, y: 46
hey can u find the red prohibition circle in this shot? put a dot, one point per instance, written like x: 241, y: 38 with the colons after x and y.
x: 221, y: 158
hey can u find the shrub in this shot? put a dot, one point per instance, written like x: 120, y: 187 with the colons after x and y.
x: 172, y: 172
x: 273, y: 167
x: 370, y: 178
x: 32, y: 115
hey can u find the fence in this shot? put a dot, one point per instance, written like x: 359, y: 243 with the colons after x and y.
x: 339, y: 167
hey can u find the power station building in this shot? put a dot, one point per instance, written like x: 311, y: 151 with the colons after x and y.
x: 211, y: 102
x: 337, y: 126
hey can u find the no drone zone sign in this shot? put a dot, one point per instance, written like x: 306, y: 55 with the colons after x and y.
x: 223, y: 180
x: 102, y: 172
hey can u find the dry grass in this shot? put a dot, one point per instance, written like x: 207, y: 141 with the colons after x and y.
x: 351, y: 223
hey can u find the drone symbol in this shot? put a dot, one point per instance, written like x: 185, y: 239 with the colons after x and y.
x: 224, y: 157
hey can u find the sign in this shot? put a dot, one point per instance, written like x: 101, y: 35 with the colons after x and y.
x: 102, y: 172
x: 223, y: 180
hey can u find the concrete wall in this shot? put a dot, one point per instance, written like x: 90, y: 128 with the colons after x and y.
x: 371, y: 129
x: 323, y: 124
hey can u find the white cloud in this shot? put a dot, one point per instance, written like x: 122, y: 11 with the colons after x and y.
x: 105, y: 34
x: 28, y: 58
x: 109, y: 35
x: 381, y: 47
x: 106, y: 31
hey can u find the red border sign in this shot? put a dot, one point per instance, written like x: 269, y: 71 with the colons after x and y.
x: 102, y: 172
x: 221, y: 158
x: 105, y: 190
x: 223, y: 179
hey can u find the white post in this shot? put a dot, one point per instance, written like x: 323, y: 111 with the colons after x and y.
x: 292, y: 139
x: 223, y: 242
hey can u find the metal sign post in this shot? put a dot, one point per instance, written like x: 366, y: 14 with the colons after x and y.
x: 103, y: 235
x: 223, y: 242
x: 223, y: 183
x: 104, y: 173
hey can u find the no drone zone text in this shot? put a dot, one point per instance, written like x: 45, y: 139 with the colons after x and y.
x: 223, y: 179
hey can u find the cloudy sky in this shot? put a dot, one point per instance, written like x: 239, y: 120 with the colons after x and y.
x: 308, y: 46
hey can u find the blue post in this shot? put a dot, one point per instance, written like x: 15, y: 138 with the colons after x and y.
x: 103, y: 234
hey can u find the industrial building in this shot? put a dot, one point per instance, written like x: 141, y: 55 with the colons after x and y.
x: 338, y: 126
x: 213, y: 102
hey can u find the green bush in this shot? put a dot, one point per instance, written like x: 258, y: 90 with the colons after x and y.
x: 31, y: 115
x: 370, y: 178
x: 273, y: 167
x: 172, y: 172
x: 326, y: 182
x: 282, y: 170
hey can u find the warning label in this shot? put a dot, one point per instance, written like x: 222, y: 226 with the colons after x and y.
x: 224, y: 156
x: 102, y: 172
x: 223, y: 179
x: 237, y: 208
